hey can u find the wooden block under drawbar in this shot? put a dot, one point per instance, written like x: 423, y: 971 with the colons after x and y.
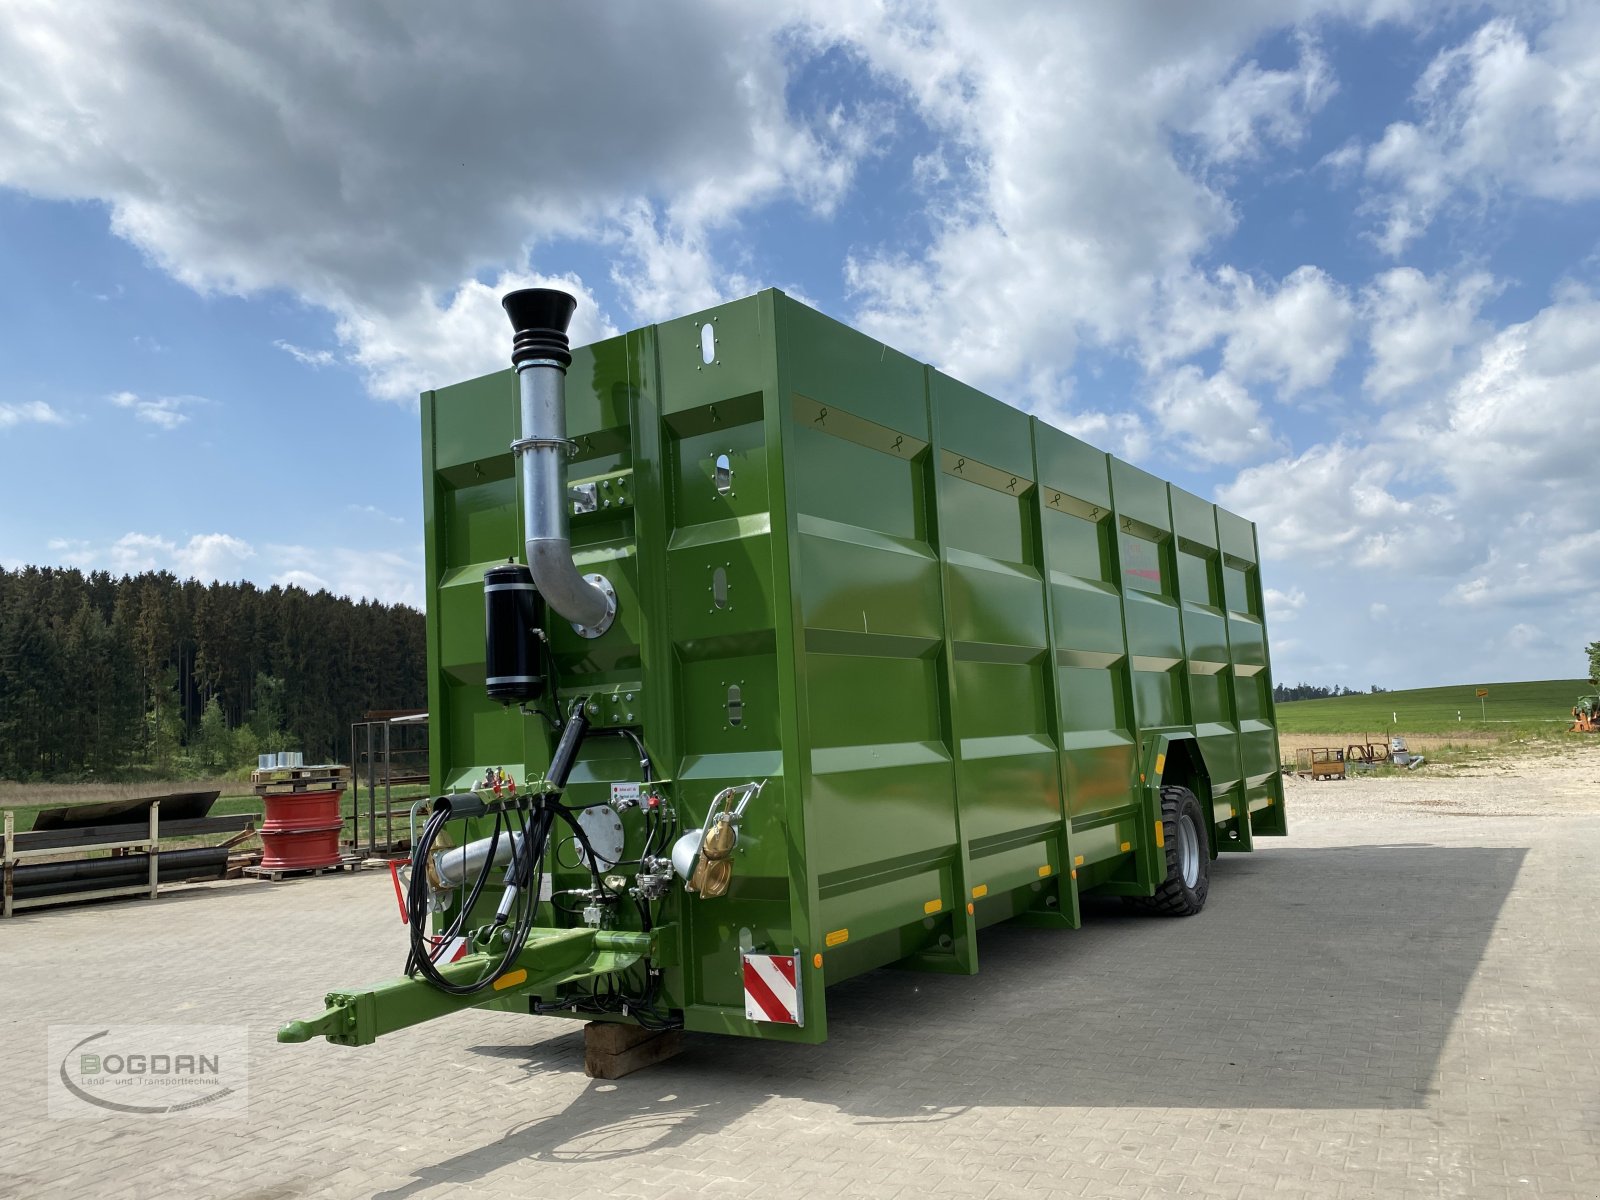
x: 613, y: 1037
x: 660, y: 1046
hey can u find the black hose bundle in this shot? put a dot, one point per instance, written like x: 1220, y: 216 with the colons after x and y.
x: 519, y: 905
x: 528, y: 823
x: 517, y: 916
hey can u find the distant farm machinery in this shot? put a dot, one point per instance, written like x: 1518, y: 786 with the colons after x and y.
x: 1586, y: 715
x: 1332, y: 762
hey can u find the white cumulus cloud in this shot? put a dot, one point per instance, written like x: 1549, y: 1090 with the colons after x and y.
x: 1212, y: 417
x: 1283, y: 605
x: 390, y: 574
x: 207, y: 557
x: 1500, y: 114
x: 393, y: 576
x: 1292, y: 333
x: 309, y: 358
x: 1256, y: 106
x: 1466, y: 502
x: 164, y: 412
x: 29, y: 412
x: 1417, y: 324
x: 381, y: 164
x: 436, y: 340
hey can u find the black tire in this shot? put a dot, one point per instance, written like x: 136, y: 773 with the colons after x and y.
x: 1177, y: 896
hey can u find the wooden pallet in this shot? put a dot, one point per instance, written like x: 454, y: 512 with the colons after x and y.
x: 291, y: 774
x: 348, y: 863
x: 330, y: 783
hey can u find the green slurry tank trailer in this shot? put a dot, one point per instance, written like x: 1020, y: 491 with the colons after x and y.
x: 804, y: 659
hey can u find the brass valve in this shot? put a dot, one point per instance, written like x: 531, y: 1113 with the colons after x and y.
x: 714, y: 871
x: 712, y: 876
x: 719, y: 843
x: 713, y: 844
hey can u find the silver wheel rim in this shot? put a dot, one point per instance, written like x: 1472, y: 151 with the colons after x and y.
x: 1188, y: 851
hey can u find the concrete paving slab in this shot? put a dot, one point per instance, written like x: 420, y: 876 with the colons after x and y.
x: 1394, y: 1001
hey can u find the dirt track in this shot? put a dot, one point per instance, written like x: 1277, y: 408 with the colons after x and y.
x: 1559, y: 778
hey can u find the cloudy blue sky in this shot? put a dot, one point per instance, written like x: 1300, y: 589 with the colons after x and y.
x: 1333, y: 264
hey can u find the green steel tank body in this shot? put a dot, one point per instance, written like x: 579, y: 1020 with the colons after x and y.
x: 964, y: 649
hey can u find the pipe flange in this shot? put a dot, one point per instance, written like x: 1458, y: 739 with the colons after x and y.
x: 602, y: 585
x: 539, y: 443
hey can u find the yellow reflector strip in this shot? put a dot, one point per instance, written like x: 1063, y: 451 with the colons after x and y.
x: 979, y: 892
x: 1078, y: 861
x: 1161, y: 835
x: 1044, y: 870
x: 1127, y: 846
x: 933, y: 906
x: 1161, y: 763
x: 836, y: 937
x: 510, y: 979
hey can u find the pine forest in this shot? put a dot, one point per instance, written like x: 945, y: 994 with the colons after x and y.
x: 148, y: 675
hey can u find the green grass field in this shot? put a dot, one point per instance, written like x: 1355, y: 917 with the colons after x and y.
x: 1543, y: 705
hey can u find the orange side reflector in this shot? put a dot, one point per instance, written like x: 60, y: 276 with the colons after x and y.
x: 510, y: 979
x: 971, y: 908
x: 816, y: 961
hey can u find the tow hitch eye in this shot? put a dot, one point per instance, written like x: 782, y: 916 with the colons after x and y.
x: 704, y: 856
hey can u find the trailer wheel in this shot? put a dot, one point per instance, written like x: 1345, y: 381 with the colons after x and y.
x: 1183, y: 893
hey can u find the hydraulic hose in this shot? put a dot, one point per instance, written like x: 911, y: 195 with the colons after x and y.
x: 520, y: 901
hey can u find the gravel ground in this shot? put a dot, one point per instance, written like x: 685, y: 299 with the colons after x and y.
x: 1545, y: 779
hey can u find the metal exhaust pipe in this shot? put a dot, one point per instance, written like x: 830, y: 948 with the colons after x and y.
x: 541, y: 355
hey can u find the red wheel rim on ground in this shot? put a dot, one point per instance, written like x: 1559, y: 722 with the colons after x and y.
x: 301, y: 831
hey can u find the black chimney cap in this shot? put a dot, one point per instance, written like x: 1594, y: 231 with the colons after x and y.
x: 539, y: 319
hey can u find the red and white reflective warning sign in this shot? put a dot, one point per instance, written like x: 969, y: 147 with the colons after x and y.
x: 772, y: 988
x: 455, y: 951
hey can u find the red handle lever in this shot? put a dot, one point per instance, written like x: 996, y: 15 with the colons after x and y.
x: 394, y: 874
